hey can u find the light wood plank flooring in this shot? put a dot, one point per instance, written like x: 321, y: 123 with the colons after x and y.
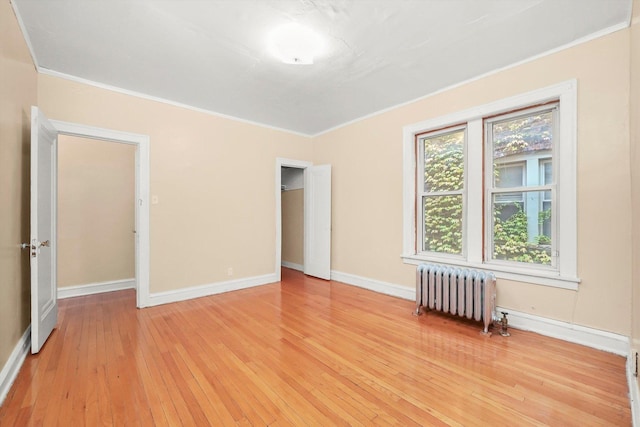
x: 304, y: 352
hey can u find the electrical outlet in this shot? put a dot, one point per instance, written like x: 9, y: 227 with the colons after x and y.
x: 230, y: 271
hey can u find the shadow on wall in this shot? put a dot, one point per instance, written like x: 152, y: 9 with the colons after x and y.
x: 25, y: 221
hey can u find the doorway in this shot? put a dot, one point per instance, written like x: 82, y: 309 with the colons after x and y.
x: 140, y: 231
x: 317, y: 216
x: 95, y: 217
x: 292, y: 202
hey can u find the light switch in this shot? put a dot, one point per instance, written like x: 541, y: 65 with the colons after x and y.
x: 154, y: 200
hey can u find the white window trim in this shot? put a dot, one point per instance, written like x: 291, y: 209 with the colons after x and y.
x: 566, y: 274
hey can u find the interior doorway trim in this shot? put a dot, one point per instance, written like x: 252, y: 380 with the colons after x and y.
x: 280, y: 162
x: 141, y: 193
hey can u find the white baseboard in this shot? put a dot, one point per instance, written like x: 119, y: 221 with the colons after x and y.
x: 293, y: 265
x: 634, y: 391
x: 590, y: 337
x: 374, y: 285
x: 14, y: 363
x: 210, y: 289
x: 96, y: 288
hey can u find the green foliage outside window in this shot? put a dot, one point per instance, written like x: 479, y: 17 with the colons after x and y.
x: 510, y: 238
x: 444, y: 171
x: 443, y: 224
x: 521, y: 135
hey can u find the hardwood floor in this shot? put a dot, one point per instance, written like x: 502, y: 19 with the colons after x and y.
x: 304, y: 352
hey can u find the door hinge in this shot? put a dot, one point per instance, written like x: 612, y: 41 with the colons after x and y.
x: 636, y: 370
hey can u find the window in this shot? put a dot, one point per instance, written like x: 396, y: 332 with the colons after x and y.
x: 441, y: 191
x: 520, y: 198
x: 494, y: 188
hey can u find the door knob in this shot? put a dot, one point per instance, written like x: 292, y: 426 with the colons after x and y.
x: 34, y: 247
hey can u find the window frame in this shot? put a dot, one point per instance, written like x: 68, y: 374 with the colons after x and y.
x: 542, y: 162
x: 492, y: 190
x: 565, y: 170
x: 420, y: 193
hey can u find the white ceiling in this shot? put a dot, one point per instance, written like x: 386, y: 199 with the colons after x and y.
x: 212, y: 54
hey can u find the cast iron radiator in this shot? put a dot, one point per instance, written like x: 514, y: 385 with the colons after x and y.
x: 467, y: 293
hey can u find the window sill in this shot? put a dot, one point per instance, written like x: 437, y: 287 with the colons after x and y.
x: 544, y: 278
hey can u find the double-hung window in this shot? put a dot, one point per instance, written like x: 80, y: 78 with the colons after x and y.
x: 521, y: 210
x: 441, y: 191
x: 494, y: 188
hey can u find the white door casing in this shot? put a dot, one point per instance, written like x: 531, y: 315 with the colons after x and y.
x: 43, y: 245
x: 142, y: 165
x: 317, y: 221
x: 280, y: 163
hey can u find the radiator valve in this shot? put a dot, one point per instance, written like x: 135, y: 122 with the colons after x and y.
x: 504, y: 324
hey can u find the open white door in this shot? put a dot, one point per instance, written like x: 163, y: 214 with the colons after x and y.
x: 317, y: 221
x: 44, y: 300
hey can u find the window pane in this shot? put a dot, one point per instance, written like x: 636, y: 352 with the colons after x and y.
x: 521, y: 230
x: 444, y: 162
x: 509, y: 198
x: 509, y: 175
x: 547, y: 173
x: 519, y: 143
x: 546, y: 219
x: 506, y: 208
x: 443, y: 224
x: 546, y: 201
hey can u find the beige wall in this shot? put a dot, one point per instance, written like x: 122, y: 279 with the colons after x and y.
x: 293, y: 226
x: 96, y: 211
x: 214, y: 179
x: 367, y: 183
x: 635, y: 171
x: 17, y: 95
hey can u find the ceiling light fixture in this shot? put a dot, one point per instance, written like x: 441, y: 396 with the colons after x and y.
x: 295, y: 44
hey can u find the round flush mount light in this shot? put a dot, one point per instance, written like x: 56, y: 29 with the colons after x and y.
x: 295, y: 44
